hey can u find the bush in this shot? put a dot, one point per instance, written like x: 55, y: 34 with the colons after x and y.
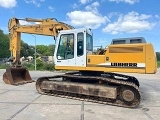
x: 39, y: 64
x: 3, y: 66
x: 30, y: 66
x: 49, y: 66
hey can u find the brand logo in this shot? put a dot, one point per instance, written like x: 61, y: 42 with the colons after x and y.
x: 124, y: 64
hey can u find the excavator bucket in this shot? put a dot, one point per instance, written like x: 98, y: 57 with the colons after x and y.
x: 17, y: 76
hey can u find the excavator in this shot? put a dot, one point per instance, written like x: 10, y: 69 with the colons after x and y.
x: 90, y: 77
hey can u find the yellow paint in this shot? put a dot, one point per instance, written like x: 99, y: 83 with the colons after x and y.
x: 95, y: 59
x: 69, y: 68
x: 151, y: 61
x: 122, y: 53
x: 126, y: 70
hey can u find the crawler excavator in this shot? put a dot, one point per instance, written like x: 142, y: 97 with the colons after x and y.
x: 93, y: 76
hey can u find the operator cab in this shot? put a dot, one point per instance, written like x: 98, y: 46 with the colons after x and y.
x: 72, y: 47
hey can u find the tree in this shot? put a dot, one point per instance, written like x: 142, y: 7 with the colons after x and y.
x: 51, y: 48
x: 26, y: 50
x: 158, y: 56
x: 4, y: 45
x: 45, y: 50
x: 42, y: 49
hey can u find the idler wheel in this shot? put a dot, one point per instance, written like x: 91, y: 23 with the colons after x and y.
x: 128, y: 95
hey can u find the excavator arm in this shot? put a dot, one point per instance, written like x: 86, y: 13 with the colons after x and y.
x: 47, y: 27
x: 16, y: 73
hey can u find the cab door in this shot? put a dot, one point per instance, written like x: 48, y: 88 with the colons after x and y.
x: 64, y: 52
x: 84, y: 47
x: 81, y: 50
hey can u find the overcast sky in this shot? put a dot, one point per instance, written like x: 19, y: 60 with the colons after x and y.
x: 108, y: 19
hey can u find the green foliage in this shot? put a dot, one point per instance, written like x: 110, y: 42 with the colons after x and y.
x: 39, y: 64
x: 45, y: 50
x: 26, y: 50
x: 44, y: 66
x: 30, y: 66
x: 49, y: 67
x: 3, y: 66
x: 4, y: 45
x: 158, y: 56
x: 51, y: 48
x: 41, y: 49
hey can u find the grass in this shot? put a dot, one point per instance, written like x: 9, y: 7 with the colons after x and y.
x: 3, y: 66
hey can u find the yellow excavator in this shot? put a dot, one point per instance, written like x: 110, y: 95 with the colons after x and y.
x: 94, y: 78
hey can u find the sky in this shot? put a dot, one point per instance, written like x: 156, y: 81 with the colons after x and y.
x: 108, y: 19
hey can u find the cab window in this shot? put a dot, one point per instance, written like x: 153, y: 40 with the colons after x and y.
x: 89, y: 42
x: 80, y: 39
x: 66, y: 47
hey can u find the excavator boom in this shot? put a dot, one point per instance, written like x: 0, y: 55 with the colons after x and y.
x: 16, y: 73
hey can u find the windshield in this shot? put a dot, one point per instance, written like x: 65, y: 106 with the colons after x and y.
x: 66, y: 47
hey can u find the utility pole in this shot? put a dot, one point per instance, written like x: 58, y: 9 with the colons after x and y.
x: 35, y: 52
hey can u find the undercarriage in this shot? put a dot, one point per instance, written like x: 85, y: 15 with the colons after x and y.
x: 105, y: 88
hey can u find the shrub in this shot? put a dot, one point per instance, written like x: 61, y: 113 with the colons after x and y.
x: 39, y: 65
x: 4, y: 66
x: 49, y: 66
x: 45, y: 66
x: 30, y: 66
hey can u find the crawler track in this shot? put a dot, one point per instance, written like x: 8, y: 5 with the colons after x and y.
x: 107, y: 88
